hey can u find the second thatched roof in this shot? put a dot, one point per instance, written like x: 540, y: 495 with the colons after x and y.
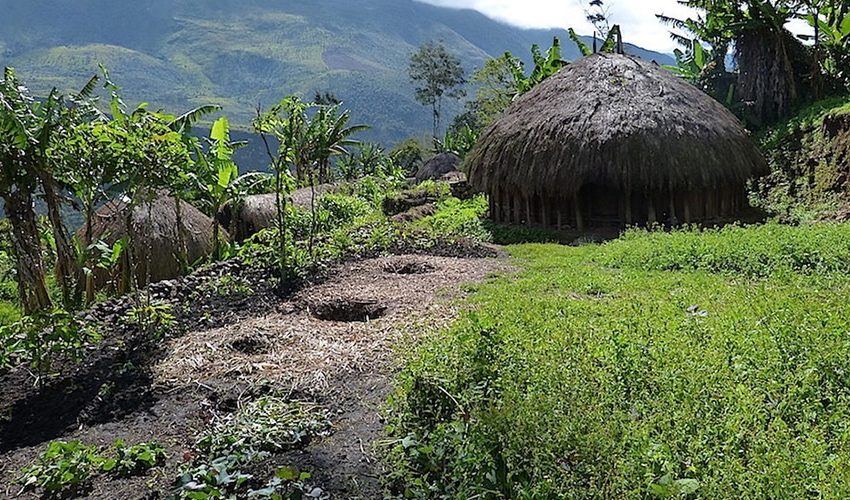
x: 617, y: 121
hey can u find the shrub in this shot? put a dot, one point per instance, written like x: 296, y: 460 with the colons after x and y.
x: 153, y: 317
x: 41, y: 338
x: 64, y: 467
x: 457, y: 219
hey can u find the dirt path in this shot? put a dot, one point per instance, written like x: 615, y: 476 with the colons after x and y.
x: 330, y: 343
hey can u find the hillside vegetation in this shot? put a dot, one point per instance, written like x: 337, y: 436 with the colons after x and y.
x: 182, y: 54
x: 809, y: 156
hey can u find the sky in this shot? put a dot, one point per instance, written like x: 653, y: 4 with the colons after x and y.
x: 637, y: 17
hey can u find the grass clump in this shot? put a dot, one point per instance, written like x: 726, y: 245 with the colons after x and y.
x: 625, y: 371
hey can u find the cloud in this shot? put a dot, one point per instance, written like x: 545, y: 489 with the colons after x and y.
x: 637, y: 17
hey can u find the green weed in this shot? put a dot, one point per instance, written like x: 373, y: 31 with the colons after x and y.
x: 234, y: 442
x: 134, y: 460
x: 701, y: 364
x: 65, y: 467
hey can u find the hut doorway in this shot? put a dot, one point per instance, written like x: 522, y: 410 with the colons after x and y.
x: 602, y: 206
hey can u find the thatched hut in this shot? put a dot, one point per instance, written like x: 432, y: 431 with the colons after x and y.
x: 248, y: 216
x: 612, y: 140
x: 156, y: 240
x: 438, y: 166
x: 252, y: 214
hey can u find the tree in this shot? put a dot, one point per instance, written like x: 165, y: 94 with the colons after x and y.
x: 286, y: 121
x: 153, y: 158
x: 830, y: 21
x: 185, y: 180
x: 544, y: 67
x: 598, y: 14
x: 764, y: 50
x: 332, y: 136
x: 437, y: 74
x: 89, y: 168
x: 21, y: 126
x: 220, y: 179
x: 495, y: 88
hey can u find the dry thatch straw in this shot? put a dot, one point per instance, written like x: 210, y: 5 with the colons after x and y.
x: 438, y: 166
x: 615, y: 121
x: 156, y: 242
x: 252, y: 214
x: 257, y: 212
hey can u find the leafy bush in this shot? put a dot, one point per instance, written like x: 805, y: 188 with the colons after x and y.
x: 338, y: 210
x: 134, y: 460
x: 408, y: 156
x: 456, y: 218
x: 151, y: 316
x: 605, y: 372
x: 65, y: 467
x: 40, y: 339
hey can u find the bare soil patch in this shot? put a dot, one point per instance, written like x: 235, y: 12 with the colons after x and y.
x: 235, y: 350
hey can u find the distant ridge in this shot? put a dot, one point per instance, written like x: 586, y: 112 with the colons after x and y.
x: 178, y: 54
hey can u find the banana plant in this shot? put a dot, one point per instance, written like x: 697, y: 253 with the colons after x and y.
x: 25, y: 124
x: 831, y: 23
x: 691, y: 64
x: 544, y: 67
x: 223, y: 184
x: 458, y: 142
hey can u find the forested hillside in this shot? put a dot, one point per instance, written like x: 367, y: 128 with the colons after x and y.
x: 238, y: 53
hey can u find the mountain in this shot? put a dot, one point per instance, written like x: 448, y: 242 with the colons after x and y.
x: 177, y: 54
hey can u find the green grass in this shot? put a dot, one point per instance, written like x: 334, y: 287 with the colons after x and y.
x: 9, y: 313
x: 711, y: 364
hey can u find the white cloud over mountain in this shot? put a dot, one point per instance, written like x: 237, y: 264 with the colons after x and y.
x: 637, y: 17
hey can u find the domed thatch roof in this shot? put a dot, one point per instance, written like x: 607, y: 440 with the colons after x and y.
x: 438, y: 166
x: 616, y: 121
x: 155, y: 237
x: 259, y: 211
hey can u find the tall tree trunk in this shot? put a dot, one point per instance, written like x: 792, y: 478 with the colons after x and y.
x: 29, y: 262
x: 766, y: 83
x: 67, y: 271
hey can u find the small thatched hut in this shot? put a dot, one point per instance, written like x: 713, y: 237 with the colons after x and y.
x: 155, y: 236
x: 438, y: 166
x: 254, y: 213
x: 611, y: 140
x: 249, y: 216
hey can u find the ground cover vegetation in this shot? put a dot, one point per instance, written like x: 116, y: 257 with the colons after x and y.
x: 657, y: 365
